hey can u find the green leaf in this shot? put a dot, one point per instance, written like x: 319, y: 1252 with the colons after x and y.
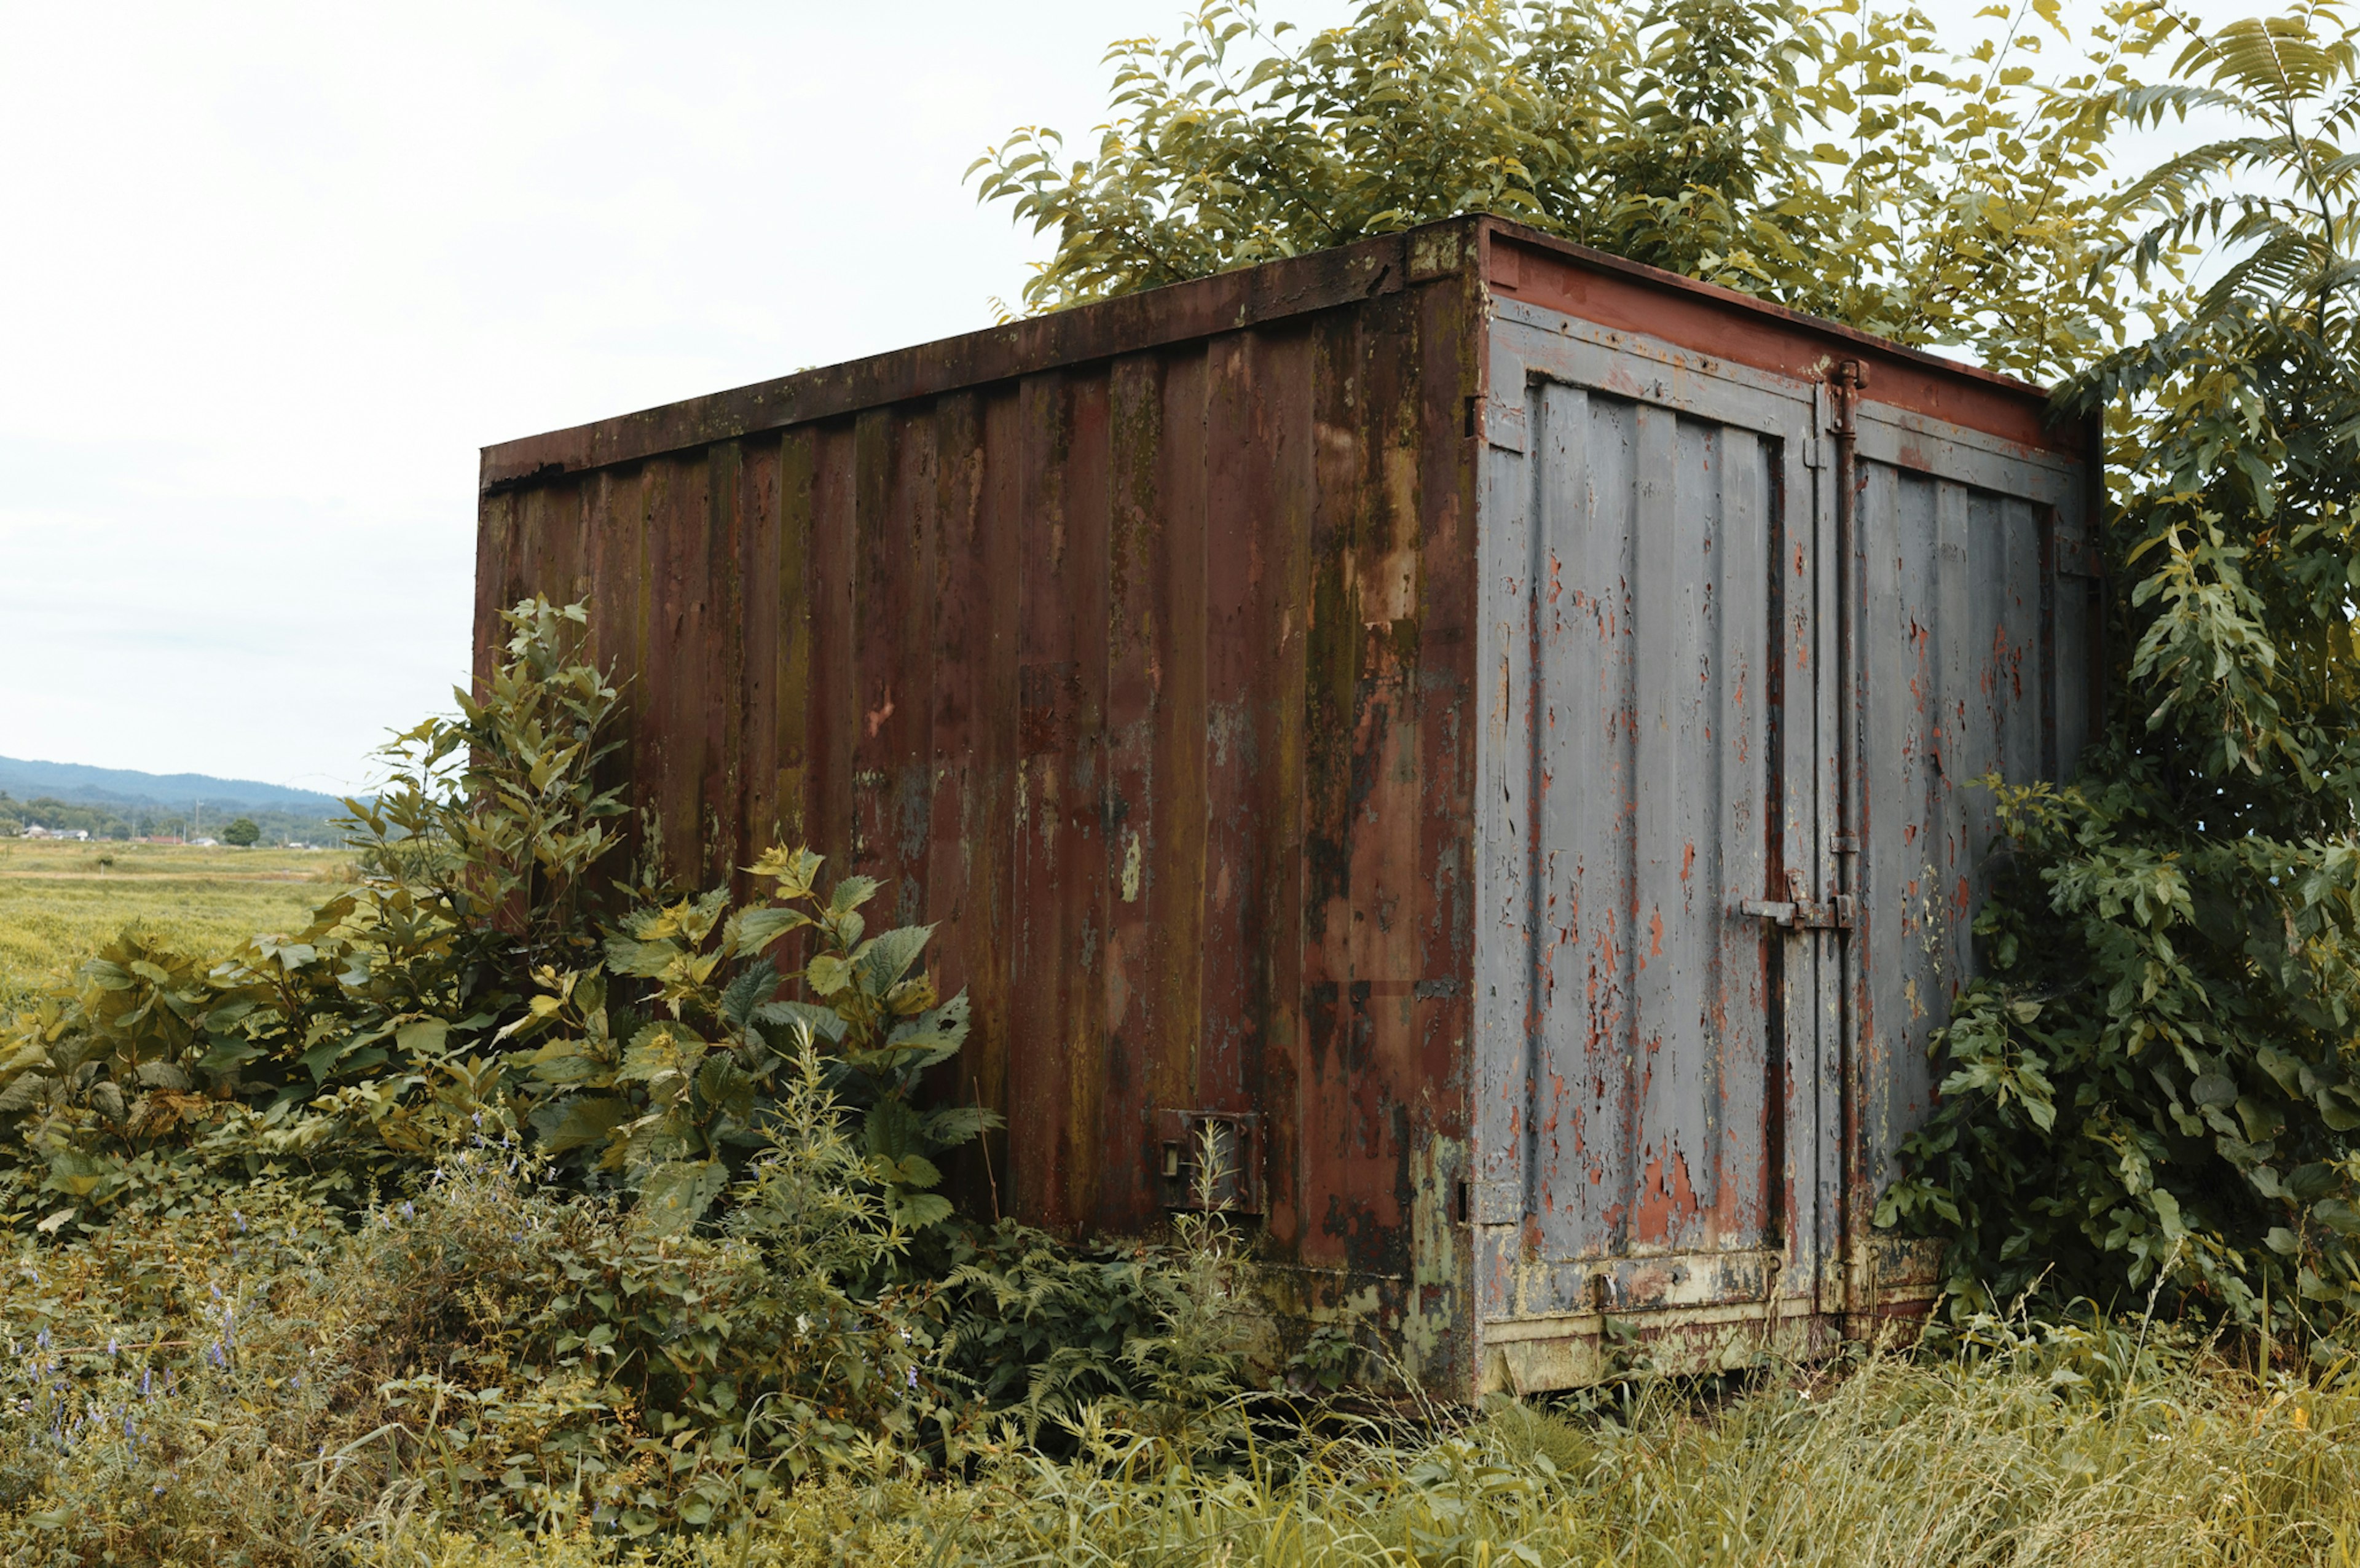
x: 422, y: 1036
x: 892, y: 1130
x: 2337, y: 1215
x: 725, y: 1088
x: 227, y: 1052
x: 585, y: 1123
x: 565, y: 1062
x: 916, y: 1210
x: 673, y: 1196
x: 885, y: 957
x: 743, y: 995
x: 2213, y: 1089
x: 795, y: 870
x: 321, y: 1059
x: 824, y: 1023
x: 956, y: 1124
x: 751, y: 931
x: 24, y: 1090
x: 646, y: 960
x: 828, y: 975
x: 2307, y: 1184
x: 850, y: 894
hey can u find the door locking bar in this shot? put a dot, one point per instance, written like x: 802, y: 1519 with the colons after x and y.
x: 1799, y: 911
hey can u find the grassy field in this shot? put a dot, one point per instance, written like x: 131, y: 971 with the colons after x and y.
x: 59, y: 901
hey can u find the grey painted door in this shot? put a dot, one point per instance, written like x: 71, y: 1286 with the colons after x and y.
x: 1975, y: 625
x: 1655, y: 1123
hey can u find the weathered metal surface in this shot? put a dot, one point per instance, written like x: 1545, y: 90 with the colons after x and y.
x: 1973, y: 623
x: 1350, y: 705
x: 1130, y: 647
x: 1647, y: 1145
x: 1709, y: 960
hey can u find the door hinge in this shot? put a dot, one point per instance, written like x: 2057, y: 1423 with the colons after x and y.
x: 1799, y: 911
x: 1840, y: 411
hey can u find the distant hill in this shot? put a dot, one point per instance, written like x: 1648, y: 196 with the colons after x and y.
x: 73, y: 781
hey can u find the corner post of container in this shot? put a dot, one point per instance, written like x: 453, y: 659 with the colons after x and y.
x: 1846, y: 380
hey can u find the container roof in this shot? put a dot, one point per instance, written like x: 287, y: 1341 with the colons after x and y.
x: 1513, y: 262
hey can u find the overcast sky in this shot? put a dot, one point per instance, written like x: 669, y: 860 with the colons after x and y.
x: 274, y: 272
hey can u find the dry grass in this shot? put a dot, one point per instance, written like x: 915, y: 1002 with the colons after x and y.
x: 58, y: 904
x: 1903, y: 1465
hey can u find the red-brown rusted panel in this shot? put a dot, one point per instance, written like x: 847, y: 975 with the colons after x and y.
x: 961, y: 834
x: 832, y: 703
x: 549, y: 532
x: 663, y: 790
x: 794, y: 610
x: 762, y: 616
x: 1057, y: 1078
x: 1172, y: 1026
x: 986, y: 932
x: 1287, y: 490
x: 1242, y: 644
x: 495, y: 572
x: 1438, y: 1331
x: 1127, y: 1196
x: 721, y: 608
x: 1609, y: 291
x: 1309, y: 1090
x: 1348, y: 1096
x: 892, y: 753
x: 960, y: 625
x: 622, y: 618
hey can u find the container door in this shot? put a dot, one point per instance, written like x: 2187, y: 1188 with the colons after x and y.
x: 1656, y: 962
x: 1975, y: 626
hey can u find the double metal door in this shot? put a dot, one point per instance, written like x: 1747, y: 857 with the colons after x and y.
x: 1733, y: 826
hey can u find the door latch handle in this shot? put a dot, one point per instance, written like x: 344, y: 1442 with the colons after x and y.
x: 1799, y: 911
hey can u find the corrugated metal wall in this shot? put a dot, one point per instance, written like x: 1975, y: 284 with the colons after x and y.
x: 1146, y: 678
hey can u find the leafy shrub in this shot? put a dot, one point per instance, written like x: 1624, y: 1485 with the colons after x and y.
x: 1838, y: 159
x: 495, y: 1346
x: 344, y: 1053
x: 2158, y: 1082
x: 482, y: 974
x: 544, y: 1200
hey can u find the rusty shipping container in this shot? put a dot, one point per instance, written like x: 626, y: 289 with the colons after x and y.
x: 1484, y: 730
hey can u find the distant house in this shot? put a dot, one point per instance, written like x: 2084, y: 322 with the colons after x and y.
x: 206, y: 842
x: 35, y: 830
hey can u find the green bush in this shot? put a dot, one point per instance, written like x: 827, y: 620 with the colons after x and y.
x: 1852, y: 160
x: 558, y: 1201
x: 255, y: 1376
x: 483, y: 975
x: 2157, y: 1086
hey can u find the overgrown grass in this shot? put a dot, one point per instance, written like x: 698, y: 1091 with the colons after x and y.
x: 255, y: 1384
x: 1900, y: 1463
x: 58, y: 904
